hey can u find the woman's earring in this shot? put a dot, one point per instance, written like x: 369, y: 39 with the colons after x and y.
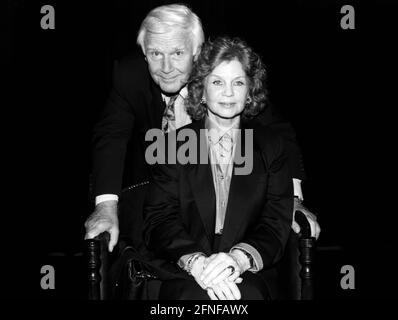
x: 248, y: 100
x: 202, y: 101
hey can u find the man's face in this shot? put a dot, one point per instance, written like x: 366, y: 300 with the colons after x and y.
x: 170, y: 57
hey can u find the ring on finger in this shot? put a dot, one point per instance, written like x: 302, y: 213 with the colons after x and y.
x: 232, y: 268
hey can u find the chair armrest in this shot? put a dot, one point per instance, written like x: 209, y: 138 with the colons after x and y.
x: 306, y: 245
x: 97, y: 261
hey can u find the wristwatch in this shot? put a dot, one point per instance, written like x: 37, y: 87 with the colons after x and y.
x: 191, y: 260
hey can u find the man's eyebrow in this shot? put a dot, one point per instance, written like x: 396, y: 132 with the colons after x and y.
x: 172, y: 50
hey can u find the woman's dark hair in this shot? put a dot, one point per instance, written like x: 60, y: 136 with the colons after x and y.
x: 214, y: 53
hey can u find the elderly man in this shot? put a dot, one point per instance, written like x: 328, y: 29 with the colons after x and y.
x: 149, y: 93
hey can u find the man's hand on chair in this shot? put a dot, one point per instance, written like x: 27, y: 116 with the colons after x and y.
x: 104, y: 218
x: 315, y: 228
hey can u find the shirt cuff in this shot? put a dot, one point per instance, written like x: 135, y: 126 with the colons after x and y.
x: 258, y: 261
x: 105, y: 197
x: 297, y: 189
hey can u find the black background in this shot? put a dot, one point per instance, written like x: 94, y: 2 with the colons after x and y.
x: 337, y: 87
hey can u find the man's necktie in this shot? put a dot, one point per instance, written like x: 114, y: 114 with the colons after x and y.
x: 169, y: 119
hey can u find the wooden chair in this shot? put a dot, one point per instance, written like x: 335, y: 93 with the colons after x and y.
x: 295, y: 272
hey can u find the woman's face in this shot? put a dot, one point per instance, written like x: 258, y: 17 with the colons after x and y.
x: 226, y: 89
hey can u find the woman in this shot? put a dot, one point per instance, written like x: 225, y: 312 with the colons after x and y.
x: 223, y: 229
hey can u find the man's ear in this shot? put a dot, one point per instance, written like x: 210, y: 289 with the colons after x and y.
x: 143, y: 52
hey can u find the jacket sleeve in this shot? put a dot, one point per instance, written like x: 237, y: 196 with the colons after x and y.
x: 111, y: 135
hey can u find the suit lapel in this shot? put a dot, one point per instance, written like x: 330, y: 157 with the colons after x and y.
x: 201, y: 181
x: 241, y: 189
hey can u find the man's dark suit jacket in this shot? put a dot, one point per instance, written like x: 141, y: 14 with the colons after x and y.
x: 135, y: 105
x: 180, y: 207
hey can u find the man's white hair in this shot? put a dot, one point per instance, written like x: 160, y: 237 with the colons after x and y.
x: 168, y: 17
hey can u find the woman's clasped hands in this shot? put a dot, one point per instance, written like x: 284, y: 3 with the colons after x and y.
x: 220, y: 273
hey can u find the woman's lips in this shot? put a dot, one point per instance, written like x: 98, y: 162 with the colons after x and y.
x: 227, y: 104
